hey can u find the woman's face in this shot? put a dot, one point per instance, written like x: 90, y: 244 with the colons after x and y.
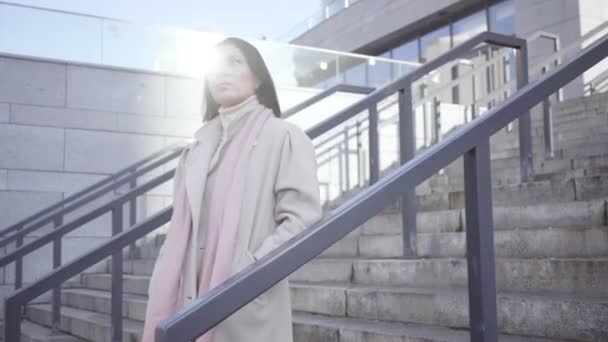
x: 231, y: 80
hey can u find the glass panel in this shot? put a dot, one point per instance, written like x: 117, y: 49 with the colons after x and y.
x: 34, y: 32
x: 379, y: 71
x: 434, y: 44
x: 502, y: 17
x: 138, y: 47
x: 80, y: 38
x: 355, y: 71
x: 468, y: 27
x: 406, y: 52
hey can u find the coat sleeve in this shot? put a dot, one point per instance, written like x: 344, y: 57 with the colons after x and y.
x: 296, y: 190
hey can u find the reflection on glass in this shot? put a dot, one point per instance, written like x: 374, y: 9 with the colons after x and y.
x: 502, y: 17
x: 379, y: 71
x: 107, y: 42
x: 355, y: 74
x: 406, y: 52
x: 434, y: 44
x: 138, y: 47
x: 310, y: 67
x: 468, y: 27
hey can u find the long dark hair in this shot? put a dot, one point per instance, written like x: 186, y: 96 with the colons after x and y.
x: 266, y: 92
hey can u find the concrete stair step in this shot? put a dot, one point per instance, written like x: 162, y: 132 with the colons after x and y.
x: 587, y: 104
x: 541, y: 315
x: 568, y: 120
x: 551, y: 275
x: 563, y: 149
x: 585, y: 157
x: 565, y: 139
x: 88, y: 325
x: 134, y: 306
x: 321, y: 328
x: 567, y: 276
x: 32, y: 332
x: 132, y: 284
x: 541, y: 191
x: 556, y: 242
x: 439, y: 192
x: 566, y: 214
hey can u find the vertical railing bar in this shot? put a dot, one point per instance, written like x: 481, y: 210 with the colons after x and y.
x: 340, y: 170
x: 117, y: 263
x: 133, y: 215
x: 56, y: 297
x: 547, y: 125
x: 480, y: 244
x: 358, y: 142
x: 437, y: 119
x: 524, y: 121
x: 19, y: 262
x: 374, y: 149
x: 407, y: 149
x: 346, y: 158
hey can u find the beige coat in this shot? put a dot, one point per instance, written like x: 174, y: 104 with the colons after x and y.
x: 281, y: 198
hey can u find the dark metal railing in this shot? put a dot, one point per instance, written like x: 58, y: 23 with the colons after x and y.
x: 74, y: 197
x: 407, y: 134
x: 472, y: 142
x: 56, y: 213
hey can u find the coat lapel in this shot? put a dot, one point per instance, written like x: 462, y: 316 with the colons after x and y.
x: 197, y: 164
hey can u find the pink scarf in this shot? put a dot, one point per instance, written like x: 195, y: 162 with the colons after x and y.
x: 165, y: 291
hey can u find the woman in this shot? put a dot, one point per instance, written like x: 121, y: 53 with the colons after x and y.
x: 245, y: 186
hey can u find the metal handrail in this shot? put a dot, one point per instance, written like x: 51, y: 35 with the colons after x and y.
x: 90, y: 197
x: 113, y: 247
x: 55, y: 212
x: 83, y: 219
x: 472, y: 142
x: 73, y: 197
x: 401, y: 86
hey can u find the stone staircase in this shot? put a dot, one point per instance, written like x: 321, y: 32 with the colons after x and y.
x: 551, y: 241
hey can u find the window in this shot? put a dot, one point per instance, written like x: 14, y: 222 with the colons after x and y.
x: 468, y: 27
x: 356, y: 75
x: 502, y: 17
x: 406, y: 52
x: 434, y: 44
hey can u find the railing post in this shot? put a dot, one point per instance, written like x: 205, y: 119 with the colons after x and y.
x: 480, y: 244
x: 12, y: 320
x: 548, y: 125
x: 548, y: 129
x: 340, y: 170
x: 56, y: 299
x: 374, y: 150
x: 117, y: 298
x: 346, y: 158
x: 524, y: 121
x: 436, y: 120
x: 407, y: 149
x: 358, y: 142
x: 132, y: 215
x: 19, y: 262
